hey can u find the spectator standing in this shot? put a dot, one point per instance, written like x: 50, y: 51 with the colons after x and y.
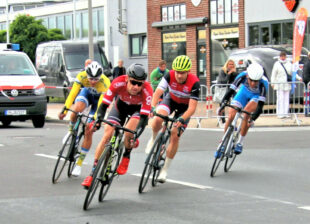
x: 119, y: 69
x: 228, y: 73
x: 306, y: 79
x: 280, y: 76
x: 158, y: 73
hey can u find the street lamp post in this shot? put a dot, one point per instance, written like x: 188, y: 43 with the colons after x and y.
x: 7, y: 23
x: 90, y: 30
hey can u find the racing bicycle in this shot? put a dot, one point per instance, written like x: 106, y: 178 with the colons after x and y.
x: 156, y: 158
x: 69, y: 151
x: 225, y: 149
x: 106, y: 167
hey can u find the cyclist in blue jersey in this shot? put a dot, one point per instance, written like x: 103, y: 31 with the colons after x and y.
x: 251, y: 96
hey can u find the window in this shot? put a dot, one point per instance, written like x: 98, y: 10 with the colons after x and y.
x: 138, y: 45
x: 78, y: 25
x: 61, y: 23
x: 287, y: 33
x: 254, y: 35
x: 276, y: 33
x: 224, y: 11
x: 52, y: 22
x: 100, y: 23
x: 85, y: 24
x: 173, y: 12
x: 68, y: 26
x: 95, y: 22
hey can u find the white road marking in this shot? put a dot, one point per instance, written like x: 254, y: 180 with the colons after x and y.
x: 305, y: 207
x: 52, y: 157
x: 1, y: 145
x: 258, y: 129
x: 202, y: 187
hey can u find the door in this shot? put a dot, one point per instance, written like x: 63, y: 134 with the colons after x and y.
x: 201, y: 70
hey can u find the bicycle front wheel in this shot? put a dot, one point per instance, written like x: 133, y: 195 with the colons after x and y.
x: 159, y: 159
x: 75, y: 154
x: 230, y: 155
x: 107, y: 175
x: 223, y: 144
x: 97, y: 178
x: 62, y: 159
x: 149, y: 163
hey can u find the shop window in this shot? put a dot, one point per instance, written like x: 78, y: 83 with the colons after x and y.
x: 138, y: 45
x: 276, y: 33
x: 78, y: 24
x: 265, y: 35
x: 173, y: 12
x: 95, y: 22
x: 224, y: 11
x: 287, y: 33
x: 60, y: 23
x: 254, y: 35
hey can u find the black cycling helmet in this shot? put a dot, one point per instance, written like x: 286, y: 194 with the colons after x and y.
x: 94, y: 70
x: 137, y: 71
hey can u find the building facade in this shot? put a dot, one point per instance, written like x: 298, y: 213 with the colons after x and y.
x: 274, y: 22
x: 116, y: 25
x: 188, y: 27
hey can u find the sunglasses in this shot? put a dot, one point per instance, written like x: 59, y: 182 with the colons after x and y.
x: 93, y: 79
x: 133, y: 82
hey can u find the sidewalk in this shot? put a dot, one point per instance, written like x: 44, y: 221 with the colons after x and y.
x: 263, y: 121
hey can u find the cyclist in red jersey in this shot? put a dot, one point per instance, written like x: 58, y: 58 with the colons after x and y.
x: 133, y: 97
x: 184, y: 89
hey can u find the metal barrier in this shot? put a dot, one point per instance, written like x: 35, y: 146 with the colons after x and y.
x: 200, y: 109
x: 297, y: 103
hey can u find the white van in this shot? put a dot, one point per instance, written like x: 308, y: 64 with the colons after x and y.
x: 22, y: 92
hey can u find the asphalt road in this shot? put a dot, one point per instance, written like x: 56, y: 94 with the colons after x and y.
x: 269, y: 182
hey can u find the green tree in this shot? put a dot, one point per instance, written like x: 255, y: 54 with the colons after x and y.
x: 2, y: 36
x: 55, y: 34
x: 28, y: 32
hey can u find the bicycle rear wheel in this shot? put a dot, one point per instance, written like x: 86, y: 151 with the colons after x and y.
x: 219, y: 159
x: 62, y: 159
x: 149, y: 163
x: 75, y: 154
x: 98, y: 173
x: 107, y: 176
x: 230, y: 155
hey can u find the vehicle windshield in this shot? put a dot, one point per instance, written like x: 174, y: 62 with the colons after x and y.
x: 76, y: 60
x: 15, y: 65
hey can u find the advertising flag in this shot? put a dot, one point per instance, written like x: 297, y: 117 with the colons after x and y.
x: 298, y: 38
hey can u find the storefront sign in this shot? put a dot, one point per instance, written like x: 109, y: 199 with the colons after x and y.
x: 174, y: 37
x: 291, y: 5
x: 225, y: 33
x: 196, y: 2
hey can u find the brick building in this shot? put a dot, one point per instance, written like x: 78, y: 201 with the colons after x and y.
x: 177, y: 27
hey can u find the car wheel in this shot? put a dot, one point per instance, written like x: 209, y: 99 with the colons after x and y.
x: 38, y: 121
x: 6, y: 123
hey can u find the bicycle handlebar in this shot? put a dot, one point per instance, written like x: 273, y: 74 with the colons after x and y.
x: 77, y: 113
x: 119, y: 127
x: 237, y: 109
x: 167, y: 118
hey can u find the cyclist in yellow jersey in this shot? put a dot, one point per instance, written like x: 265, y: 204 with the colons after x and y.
x: 88, y: 89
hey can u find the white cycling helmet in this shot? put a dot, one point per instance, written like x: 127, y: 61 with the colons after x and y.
x: 255, y: 71
x: 94, y: 70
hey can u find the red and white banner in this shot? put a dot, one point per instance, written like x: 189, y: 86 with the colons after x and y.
x: 298, y: 38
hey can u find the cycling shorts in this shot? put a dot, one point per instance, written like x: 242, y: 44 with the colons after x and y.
x: 120, y: 111
x: 244, y: 96
x: 171, y: 106
x: 89, y: 98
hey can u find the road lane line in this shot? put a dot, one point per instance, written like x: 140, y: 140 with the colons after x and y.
x: 305, y: 207
x: 258, y: 129
x: 52, y: 157
x: 202, y: 187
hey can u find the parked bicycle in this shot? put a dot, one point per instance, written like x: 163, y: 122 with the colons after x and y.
x: 156, y: 158
x: 69, y: 151
x: 225, y: 149
x: 105, y: 170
